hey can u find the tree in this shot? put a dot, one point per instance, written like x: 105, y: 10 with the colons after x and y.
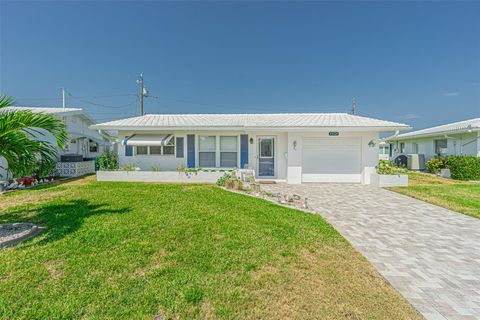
x: 19, y: 143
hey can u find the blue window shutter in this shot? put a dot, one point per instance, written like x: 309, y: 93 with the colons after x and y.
x: 128, y: 149
x: 191, y: 151
x: 179, y: 146
x: 243, y: 150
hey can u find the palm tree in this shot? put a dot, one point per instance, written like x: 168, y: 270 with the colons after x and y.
x: 19, y: 143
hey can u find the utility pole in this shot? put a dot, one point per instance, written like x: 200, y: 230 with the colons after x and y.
x: 141, y: 93
x: 354, y: 105
x: 63, y: 98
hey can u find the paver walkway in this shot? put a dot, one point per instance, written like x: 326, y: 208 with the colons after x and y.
x: 431, y: 255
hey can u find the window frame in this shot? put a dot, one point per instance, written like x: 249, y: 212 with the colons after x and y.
x: 170, y: 144
x: 215, y: 153
x: 235, y: 137
x: 435, y: 145
x: 141, y: 154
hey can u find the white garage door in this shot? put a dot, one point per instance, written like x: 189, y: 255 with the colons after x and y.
x: 331, y: 160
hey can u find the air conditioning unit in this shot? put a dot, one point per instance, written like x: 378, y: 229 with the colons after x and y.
x: 416, y: 161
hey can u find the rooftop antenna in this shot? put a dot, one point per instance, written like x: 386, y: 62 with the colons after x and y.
x: 354, y: 106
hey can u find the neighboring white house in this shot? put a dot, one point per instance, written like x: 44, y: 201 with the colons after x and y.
x: 458, y: 138
x: 313, y: 147
x: 81, y: 139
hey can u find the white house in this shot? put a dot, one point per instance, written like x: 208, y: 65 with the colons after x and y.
x: 293, y: 147
x: 82, y: 140
x: 458, y: 138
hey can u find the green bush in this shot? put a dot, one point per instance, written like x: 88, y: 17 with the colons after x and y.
x: 107, y: 161
x: 127, y: 167
x: 223, y: 179
x: 388, y: 167
x: 435, y: 164
x: 464, y: 167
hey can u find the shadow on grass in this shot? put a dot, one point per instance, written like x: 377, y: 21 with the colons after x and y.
x: 48, y: 185
x: 60, y: 220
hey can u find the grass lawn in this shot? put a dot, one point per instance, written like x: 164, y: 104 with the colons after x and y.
x: 133, y: 250
x: 460, y: 196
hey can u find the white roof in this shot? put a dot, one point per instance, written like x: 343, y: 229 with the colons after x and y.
x: 456, y: 127
x: 51, y: 110
x: 249, y: 121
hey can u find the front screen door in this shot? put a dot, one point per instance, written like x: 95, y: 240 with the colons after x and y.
x: 266, y: 157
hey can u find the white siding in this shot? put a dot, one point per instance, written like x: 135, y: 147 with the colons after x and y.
x: 369, y: 155
x: 457, y: 144
x: 288, y: 160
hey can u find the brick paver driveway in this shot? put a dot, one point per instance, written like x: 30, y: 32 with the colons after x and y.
x: 431, y: 255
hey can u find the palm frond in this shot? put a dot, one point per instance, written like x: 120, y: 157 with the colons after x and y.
x: 6, y: 101
x: 20, y: 142
x: 27, y: 120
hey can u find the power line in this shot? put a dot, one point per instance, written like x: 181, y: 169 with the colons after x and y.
x: 331, y: 108
x: 99, y: 104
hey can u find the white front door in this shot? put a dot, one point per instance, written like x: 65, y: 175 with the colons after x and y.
x: 331, y: 160
x: 266, y: 157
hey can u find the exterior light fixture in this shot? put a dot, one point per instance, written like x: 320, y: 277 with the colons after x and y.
x: 294, y: 144
x: 251, y: 140
x: 371, y: 144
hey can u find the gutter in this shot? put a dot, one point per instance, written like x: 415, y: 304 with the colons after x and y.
x: 248, y: 128
x: 436, y: 134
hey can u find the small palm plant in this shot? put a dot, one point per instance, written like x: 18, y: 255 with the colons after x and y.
x: 19, y: 144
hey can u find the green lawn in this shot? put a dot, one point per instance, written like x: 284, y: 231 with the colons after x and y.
x: 460, y: 196
x: 133, y: 250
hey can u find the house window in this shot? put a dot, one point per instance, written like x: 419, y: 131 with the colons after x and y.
x: 228, y: 152
x: 414, y: 147
x: 402, y: 147
x: 206, y: 151
x: 155, y: 150
x: 93, y: 147
x: 169, y: 149
x: 141, y: 150
x: 440, y: 146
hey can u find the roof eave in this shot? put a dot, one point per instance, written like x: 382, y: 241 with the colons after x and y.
x: 434, y: 134
x: 252, y: 128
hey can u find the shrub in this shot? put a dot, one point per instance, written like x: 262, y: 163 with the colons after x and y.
x: 221, y: 181
x: 107, y: 161
x: 154, y: 168
x: 230, y: 181
x: 127, y: 167
x: 388, y: 167
x: 435, y: 164
x: 464, y: 167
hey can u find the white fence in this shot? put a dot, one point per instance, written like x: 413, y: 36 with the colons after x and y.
x: 160, y: 176
x: 75, y: 169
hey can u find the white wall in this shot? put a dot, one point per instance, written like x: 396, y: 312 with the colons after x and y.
x: 78, y: 126
x: 288, y: 161
x: 457, y: 144
x: 145, y: 162
x: 280, y: 151
x: 369, y: 155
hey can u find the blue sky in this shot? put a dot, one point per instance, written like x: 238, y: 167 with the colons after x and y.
x: 414, y: 62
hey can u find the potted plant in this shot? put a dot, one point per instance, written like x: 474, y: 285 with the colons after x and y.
x: 389, y: 175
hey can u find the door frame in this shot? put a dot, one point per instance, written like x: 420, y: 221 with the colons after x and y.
x: 274, y: 139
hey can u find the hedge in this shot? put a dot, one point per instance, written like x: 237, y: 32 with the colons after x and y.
x: 463, y: 167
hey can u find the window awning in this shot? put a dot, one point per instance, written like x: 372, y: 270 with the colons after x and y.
x: 147, y: 140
